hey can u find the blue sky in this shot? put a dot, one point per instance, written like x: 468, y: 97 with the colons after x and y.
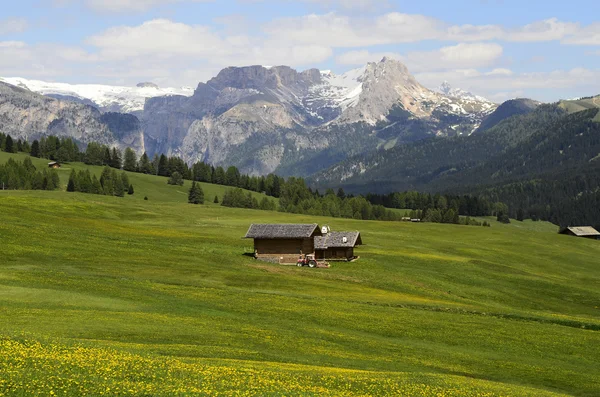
x: 501, y: 49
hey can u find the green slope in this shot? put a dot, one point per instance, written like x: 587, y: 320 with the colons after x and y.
x: 574, y: 106
x: 156, y: 298
x: 154, y: 187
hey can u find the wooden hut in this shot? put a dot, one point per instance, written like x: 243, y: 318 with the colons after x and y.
x: 581, y: 231
x: 283, y: 243
x: 337, y: 245
x: 54, y: 164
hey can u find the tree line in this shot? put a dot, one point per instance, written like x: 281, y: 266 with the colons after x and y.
x: 295, y: 196
x: 110, y: 183
x: 23, y: 175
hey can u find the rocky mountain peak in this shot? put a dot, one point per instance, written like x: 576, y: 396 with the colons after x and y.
x: 261, y: 77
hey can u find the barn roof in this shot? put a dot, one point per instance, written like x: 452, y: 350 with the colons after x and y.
x: 582, y: 231
x: 278, y: 231
x: 336, y: 240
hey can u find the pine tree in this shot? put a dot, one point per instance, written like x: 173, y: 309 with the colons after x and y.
x: 9, y: 145
x: 520, y: 214
x: 216, y: 200
x: 106, y: 160
x: 71, y: 183
x: 130, y: 191
x: 196, y: 195
x: 130, y: 161
x: 96, y: 186
x: 35, y: 149
x: 163, y: 168
x: 119, y: 188
x: 115, y: 158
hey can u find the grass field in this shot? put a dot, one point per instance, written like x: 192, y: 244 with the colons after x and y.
x: 120, y: 296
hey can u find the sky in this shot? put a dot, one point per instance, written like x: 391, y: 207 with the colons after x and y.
x: 501, y: 49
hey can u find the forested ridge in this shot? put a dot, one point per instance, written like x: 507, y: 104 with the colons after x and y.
x: 540, y: 165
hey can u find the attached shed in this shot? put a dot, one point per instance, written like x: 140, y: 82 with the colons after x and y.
x: 337, y: 245
x: 283, y: 243
x: 581, y: 231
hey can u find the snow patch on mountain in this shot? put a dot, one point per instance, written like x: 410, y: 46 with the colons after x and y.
x: 117, y: 98
x: 446, y: 89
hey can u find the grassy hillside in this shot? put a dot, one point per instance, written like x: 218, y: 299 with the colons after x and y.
x: 105, y: 295
x: 574, y: 106
x: 154, y: 187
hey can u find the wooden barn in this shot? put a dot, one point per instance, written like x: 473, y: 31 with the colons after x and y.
x: 283, y: 243
x: 336, y: 245
x: 54, y: 164
x: 581, y: 231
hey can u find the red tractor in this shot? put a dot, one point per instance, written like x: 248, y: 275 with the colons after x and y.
x: 307, y: 260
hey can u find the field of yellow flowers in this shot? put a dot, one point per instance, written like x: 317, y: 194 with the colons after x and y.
x: 31, y: 368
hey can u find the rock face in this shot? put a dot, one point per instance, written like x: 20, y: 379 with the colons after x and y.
x: 265, y: 119
x: 26, y: 115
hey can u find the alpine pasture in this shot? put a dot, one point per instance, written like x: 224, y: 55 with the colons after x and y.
x: 122, y: 296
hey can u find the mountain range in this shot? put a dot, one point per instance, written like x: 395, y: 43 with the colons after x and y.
x: 264, y: 119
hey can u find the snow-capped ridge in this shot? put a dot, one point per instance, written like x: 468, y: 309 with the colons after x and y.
x: 106, y: 97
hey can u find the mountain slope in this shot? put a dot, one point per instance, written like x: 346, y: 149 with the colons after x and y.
x: 418, y: 165
x: 104, y: 97
x: 26, y: 115
x: 513, y: 107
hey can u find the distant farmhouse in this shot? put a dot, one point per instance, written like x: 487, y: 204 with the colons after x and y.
x: 581, y: 231
x: 54, y: 164
x: 284, y: 243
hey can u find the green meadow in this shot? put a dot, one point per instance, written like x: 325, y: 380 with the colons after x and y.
x: 122, y: 296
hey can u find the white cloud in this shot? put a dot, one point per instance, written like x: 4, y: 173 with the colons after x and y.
x: 589, y: 35
x: 132, y: 5
x: 547, y: 30
x: 460, y: 56
x: 342, y: 31
x: 13, y: 25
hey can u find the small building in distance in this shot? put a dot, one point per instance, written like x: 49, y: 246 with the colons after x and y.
x: 581, y: 231
x: 336, y: 245
x: 54, y: 164
x: 283, y: 243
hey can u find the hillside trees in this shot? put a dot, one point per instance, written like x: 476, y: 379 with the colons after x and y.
x: 111, y: 183
x: 15, y: 175
x: 130, y: 160
x: 35, y: 149
x: 196, y: 194
x: 9, y: 145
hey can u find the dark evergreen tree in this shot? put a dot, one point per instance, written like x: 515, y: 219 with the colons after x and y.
x: 71, y: 184
x: 35, y: 149
x: 520, y: 214
x: 130, y: 160
x: 130, y: 191
x: 116, y: 158
x: 9, y: 145
x: 196, y: 194
x: 216, y: 200
x: 106, y: 159
x: 163, y: 168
